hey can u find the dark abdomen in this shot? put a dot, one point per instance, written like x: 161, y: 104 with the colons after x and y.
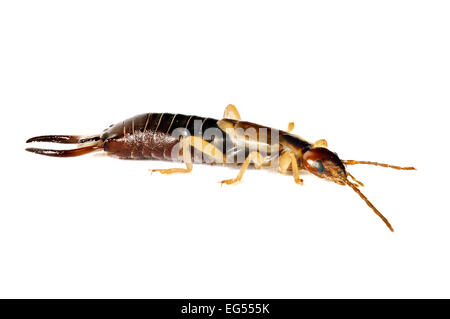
x: 152, y: 135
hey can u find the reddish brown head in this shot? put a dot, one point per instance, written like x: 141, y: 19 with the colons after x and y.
x: 325, y: 164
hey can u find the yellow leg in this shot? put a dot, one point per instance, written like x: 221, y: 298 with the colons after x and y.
x: 295, y: 171
x: 320, y: 143
x: 231, y: 112
x: 287, y: 159
x: 206, y: 148
x: 254, y: 157
x: 187, y: 159
x: 284, y: 162
x: 291, y: 126
x: 199, y: 144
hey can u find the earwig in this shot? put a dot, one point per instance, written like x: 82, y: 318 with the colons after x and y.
x: 229, y: 141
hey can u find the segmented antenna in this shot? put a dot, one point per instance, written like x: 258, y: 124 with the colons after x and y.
x: 352, y: 162
x: 356, y: 189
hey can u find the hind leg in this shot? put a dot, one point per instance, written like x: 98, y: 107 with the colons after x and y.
x: 198, y: 143
x: 187, y: 159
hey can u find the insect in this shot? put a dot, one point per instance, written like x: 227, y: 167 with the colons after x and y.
x: 229, y: 141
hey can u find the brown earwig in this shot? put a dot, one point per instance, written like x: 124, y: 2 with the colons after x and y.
x: 190, y: 139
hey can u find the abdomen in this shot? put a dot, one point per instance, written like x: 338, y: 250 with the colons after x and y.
x: 153, y: 135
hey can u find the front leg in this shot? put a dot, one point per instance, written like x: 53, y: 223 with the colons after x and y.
x: 289, y: 159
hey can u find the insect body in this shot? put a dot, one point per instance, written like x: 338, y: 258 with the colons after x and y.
x: 228, y: 141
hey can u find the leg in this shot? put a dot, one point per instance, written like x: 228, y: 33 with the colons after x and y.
x: 254, y: 157
x: 231, y: 112
x: 295, y: 171
x: 291, y: 126
x: 320, y: 143
x: 286, y: 159
x: 187, y: 159
x: 199, y: 144
x: 284, y: 162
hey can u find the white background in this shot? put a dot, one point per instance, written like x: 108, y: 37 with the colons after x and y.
x: 372, y: 77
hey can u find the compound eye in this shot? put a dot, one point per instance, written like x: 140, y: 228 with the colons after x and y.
x: 319, y: 166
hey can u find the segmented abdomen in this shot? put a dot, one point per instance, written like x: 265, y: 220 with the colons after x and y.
x: 153, y: 135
